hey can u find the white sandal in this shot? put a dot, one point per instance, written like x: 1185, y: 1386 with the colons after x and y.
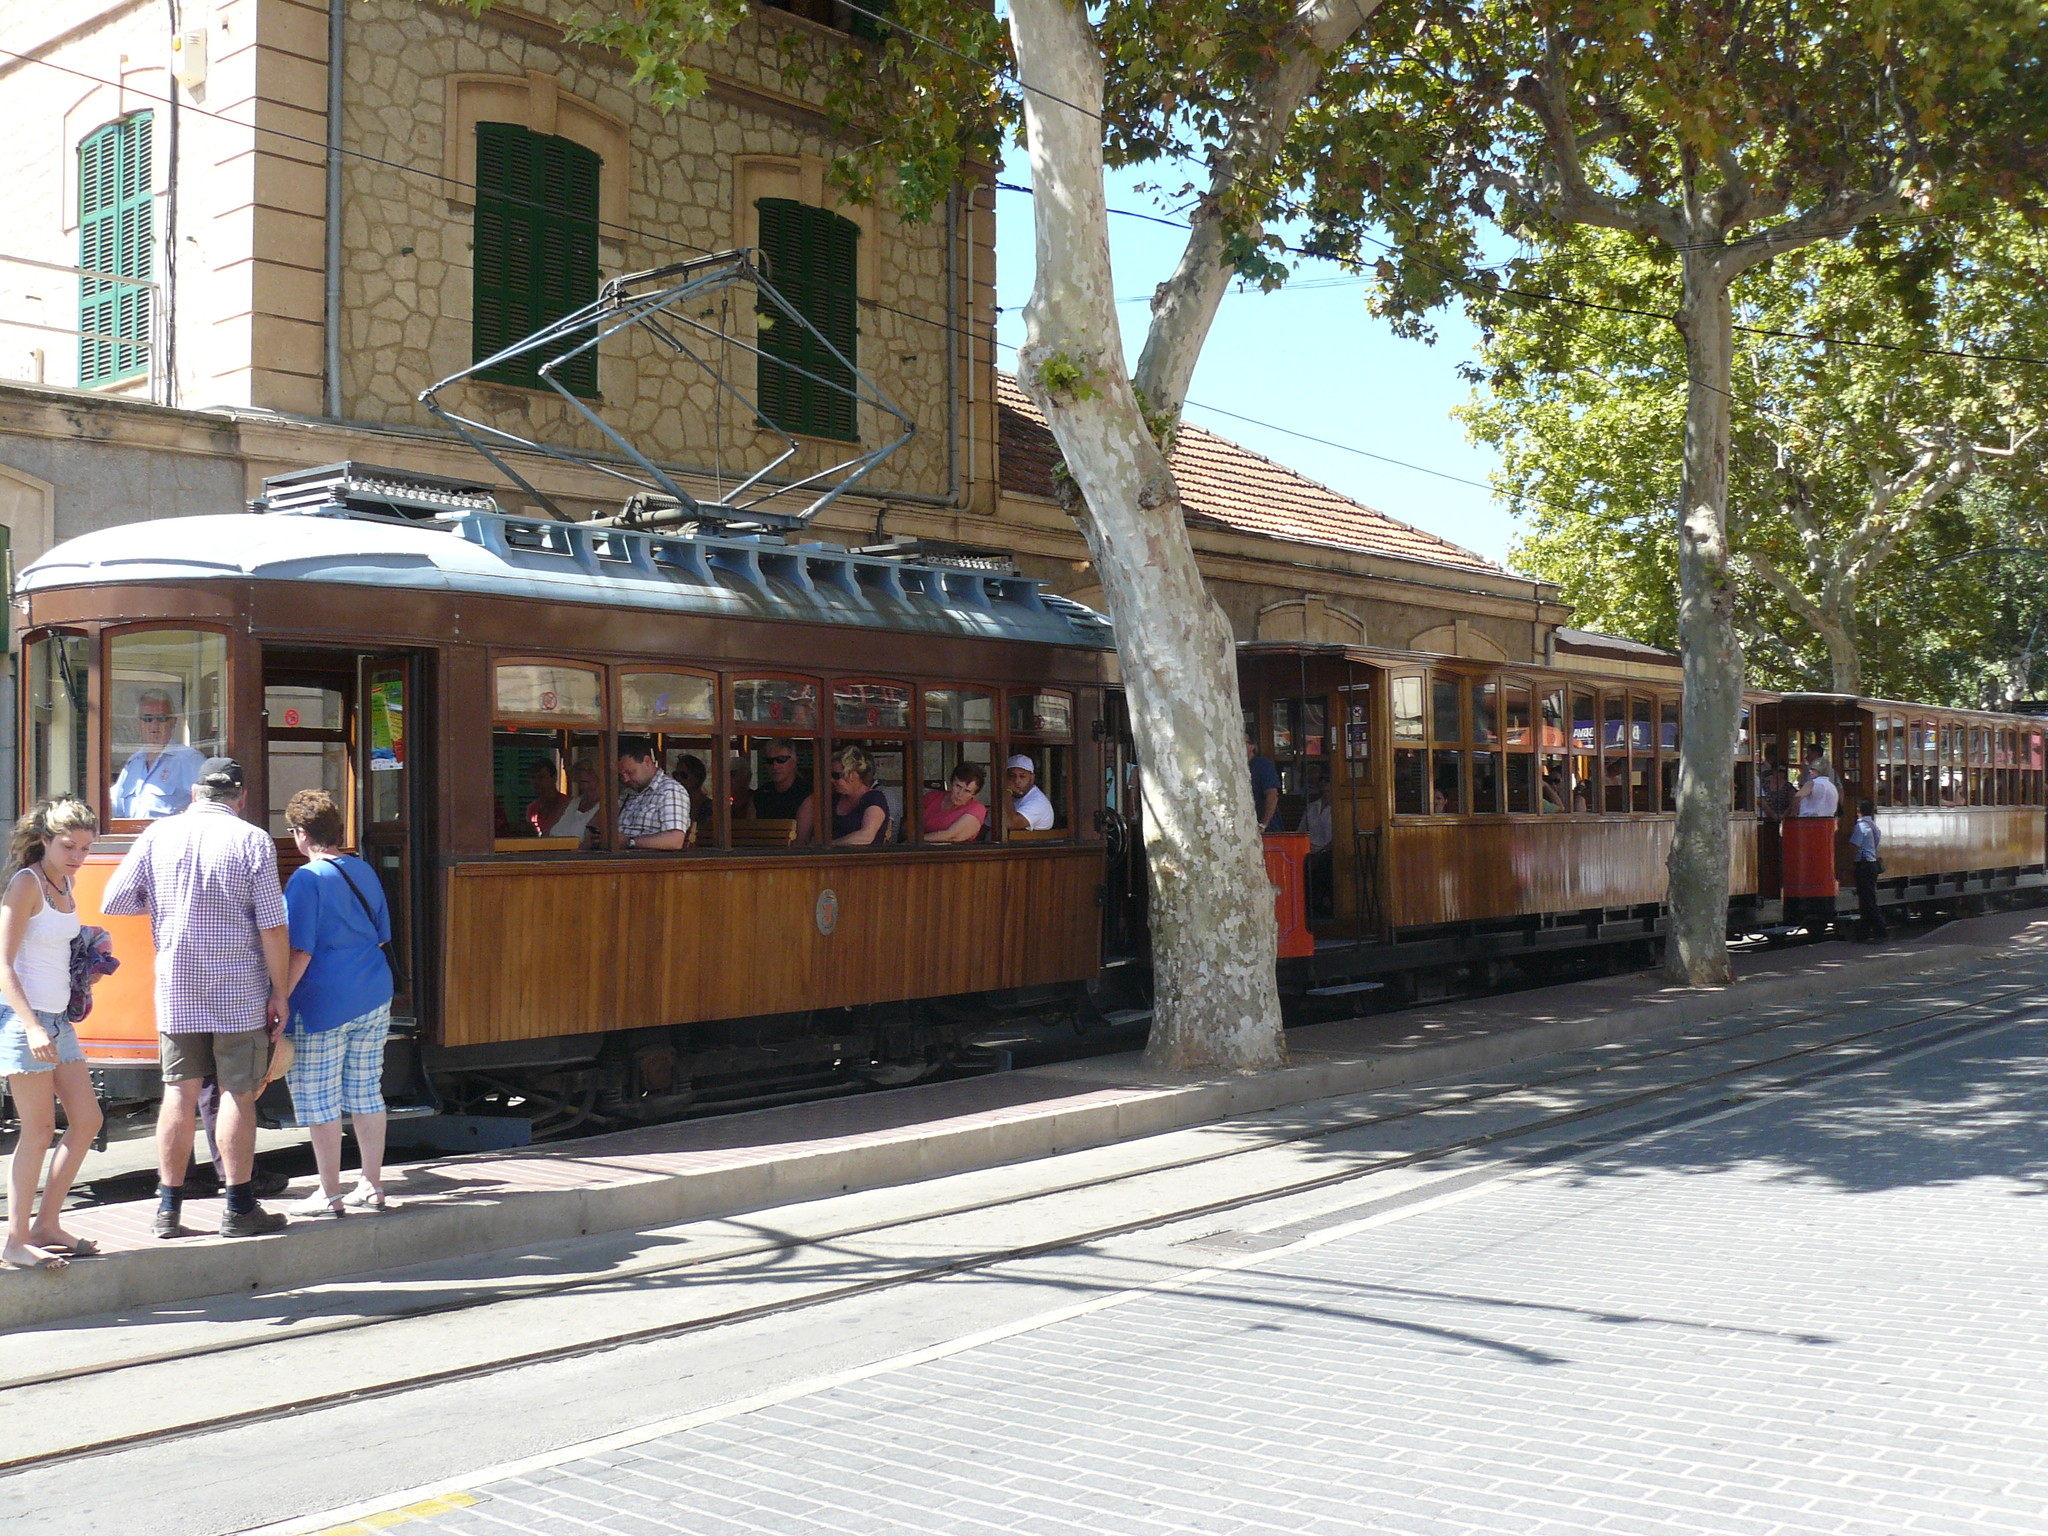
x: 366, y: 1197
x: 318, y: 1203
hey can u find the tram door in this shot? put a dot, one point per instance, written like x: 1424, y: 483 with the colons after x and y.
x: 338, y: 721
x: 1125, y: 892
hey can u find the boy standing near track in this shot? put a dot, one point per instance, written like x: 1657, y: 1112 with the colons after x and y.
x: 207, y: 880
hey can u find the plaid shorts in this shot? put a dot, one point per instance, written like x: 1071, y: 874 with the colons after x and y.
x: 339, y: 1071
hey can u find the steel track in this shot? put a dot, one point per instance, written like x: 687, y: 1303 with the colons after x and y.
x: 1631, y: 1131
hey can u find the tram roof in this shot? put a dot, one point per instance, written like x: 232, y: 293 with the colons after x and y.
x: 502, y: 555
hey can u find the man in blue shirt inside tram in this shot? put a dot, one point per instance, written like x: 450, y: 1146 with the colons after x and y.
x: 158, y: 777
x: 1265, y: 785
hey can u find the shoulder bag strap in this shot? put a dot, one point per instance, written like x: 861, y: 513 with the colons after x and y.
x: 390, y: 954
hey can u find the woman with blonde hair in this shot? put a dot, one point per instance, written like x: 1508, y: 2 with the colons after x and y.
x: 860, y: 811
x: 39, y: 1050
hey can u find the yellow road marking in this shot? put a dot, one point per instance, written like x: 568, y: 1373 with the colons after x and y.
x: 425, y: 1509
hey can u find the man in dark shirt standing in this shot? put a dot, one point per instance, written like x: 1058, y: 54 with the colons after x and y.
x: 1265, y: 785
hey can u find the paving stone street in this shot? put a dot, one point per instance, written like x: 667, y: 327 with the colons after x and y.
x: 1817, y: 1313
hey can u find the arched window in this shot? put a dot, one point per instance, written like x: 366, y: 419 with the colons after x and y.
x: 536, y: 247
x: 813, y: 261
x: 116, y: 236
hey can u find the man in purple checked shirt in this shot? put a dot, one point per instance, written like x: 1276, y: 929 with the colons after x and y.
x: 207, y: 880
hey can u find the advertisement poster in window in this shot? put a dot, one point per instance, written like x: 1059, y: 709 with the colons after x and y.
x: 387, y: 725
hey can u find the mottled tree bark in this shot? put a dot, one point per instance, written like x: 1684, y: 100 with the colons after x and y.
x: 1213, y: 931
x: 1709, y: 647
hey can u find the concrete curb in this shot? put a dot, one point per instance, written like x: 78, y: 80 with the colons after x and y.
x: 313, y: 1253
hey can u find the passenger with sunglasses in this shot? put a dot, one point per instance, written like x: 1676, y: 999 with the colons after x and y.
x: 158, y: 777
x: 786, y: 796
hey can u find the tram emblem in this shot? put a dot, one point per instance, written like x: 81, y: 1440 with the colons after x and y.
x: 548, y: 701
x: 827, y: 911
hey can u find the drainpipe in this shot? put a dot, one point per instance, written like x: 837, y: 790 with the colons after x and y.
x: 169, y: 292
x: 953, y: 486
x: 336, y: 31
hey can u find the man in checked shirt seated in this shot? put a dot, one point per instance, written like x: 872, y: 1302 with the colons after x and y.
x: 655, y: 811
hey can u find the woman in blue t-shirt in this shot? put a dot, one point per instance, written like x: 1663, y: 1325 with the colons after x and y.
x: 340, y: 991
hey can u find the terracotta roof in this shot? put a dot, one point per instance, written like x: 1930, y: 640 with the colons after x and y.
x: 1225, y: 484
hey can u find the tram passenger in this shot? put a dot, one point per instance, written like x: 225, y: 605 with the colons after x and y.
x: 1818, y: 793
x: 955, y: 814
x: 580, y: 810
x: 1318, y: 821
x: 158, y: 777
x: 860, y: 812
x: 1774, y: 795
x: 694, y: 775
x: 1029, y: 811
x: 548, y: 801
x: 655, y: 811
x: 1553, y: 787
x: 787, y: 794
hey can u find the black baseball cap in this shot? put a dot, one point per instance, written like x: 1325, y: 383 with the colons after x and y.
x: 221, y: 773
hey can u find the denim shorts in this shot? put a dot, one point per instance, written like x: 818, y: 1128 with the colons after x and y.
x: 14, y: 1056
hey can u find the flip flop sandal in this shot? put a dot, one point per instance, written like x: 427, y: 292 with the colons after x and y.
x: 47, y: 1261
x: 84, y: 1248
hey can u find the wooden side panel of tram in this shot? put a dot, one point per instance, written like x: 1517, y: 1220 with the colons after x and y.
x: 1474, y: 871
x: 536, y: 951
x: 1951, y: 839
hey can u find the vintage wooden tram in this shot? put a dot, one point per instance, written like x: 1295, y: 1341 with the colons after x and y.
x: 437, y: 663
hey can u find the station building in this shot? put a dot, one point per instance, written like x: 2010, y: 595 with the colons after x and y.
x: 243, y: 235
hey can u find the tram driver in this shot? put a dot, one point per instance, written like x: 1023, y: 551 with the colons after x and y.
x: 158, y: 777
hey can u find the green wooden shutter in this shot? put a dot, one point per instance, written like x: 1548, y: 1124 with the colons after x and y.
x: 535, y: 249
x: 863, y: 24
x: 813, y: 260
x: 116, y: 235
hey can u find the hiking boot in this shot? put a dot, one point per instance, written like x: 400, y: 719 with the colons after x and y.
x: 251, y: 1223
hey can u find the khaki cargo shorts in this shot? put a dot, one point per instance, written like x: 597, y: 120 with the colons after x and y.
x: 237, y: 1060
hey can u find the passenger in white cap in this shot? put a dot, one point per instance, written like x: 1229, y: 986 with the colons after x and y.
x: 1029, y: 810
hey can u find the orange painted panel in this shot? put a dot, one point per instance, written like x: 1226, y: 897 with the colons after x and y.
x: 122, y: 1024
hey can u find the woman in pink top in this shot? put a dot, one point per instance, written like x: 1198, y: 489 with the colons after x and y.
x: 955, y: 814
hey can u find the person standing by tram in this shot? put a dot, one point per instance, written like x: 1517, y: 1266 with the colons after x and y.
x: 1819, y: 795
x: 207, y: 881
x: 1866, y: 842
x: 39, y: 1051
x: 158, y: 777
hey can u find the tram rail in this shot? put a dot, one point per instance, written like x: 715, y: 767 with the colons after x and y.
x: 1880, y: 1044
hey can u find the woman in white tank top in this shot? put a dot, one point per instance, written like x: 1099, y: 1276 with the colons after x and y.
x: 39, y: 1051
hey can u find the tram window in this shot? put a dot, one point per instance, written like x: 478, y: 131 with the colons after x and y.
x: 307, y: 745
x: 1447, y: 781
x: 1411, y: 794
x: 1051, y: 768
x: 1485, y: 782
x: 1881, y: 761
x: 1518, y: 737
x: 659, y: 701
x: 548, y: 783
x: 870, y: 707
x: 1642, y: 742
x: 1485, y: 713
x: 1407, y: 709
x: 1614, y: 752
x: 547, y: 692
x: 385, y: 720
x: 959, y: 712
x: 58, y: 753
x: 1410, y: 798
x: 1286, y: 715
x: 1041, y: 714
x: 782, y: 702
x: 1443, y: 710
x: 1585, y: 754
x: 1745, y: 765
x: 1667, y: 755
x: 166, y: 713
